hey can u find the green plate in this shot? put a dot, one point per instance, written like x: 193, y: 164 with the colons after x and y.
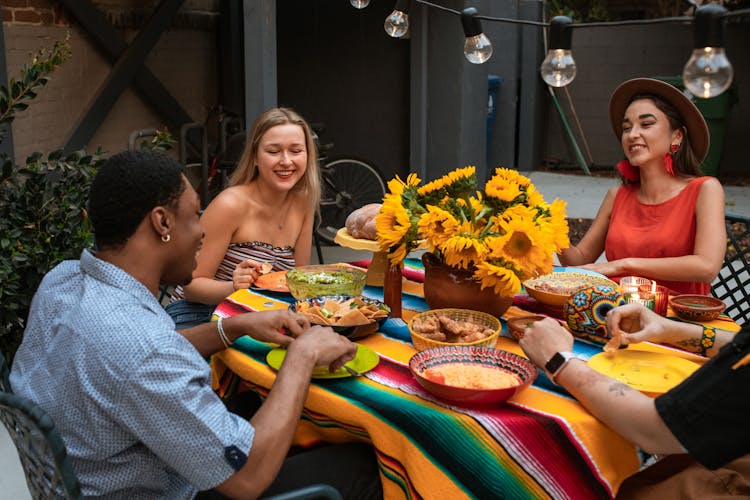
x: 365, y: 360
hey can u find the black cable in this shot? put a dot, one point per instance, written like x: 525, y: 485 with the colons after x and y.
x: 662, y: 20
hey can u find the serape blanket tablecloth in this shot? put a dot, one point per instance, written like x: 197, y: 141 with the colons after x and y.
x: 541, y: 444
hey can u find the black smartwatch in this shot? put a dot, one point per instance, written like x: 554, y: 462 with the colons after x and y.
x: 555, y: 365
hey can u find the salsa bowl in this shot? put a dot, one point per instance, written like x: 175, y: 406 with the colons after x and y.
x: 472, y: 375
x: 696, y: 307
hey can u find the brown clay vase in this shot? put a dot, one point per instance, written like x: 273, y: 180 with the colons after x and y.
x: 446, y: 286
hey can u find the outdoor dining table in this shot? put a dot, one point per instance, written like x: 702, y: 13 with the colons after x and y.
x: 541, y: 444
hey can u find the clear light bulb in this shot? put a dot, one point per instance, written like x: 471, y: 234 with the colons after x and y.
x: 478, y: 48
x: 359, y: 4
x: 396, y: 24
x: 708, y: 72
x: 558, y: 68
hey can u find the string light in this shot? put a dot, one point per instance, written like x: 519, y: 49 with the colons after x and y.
x: 397, y: 22
x: 477, y: 47
x: 708, y: 72
x: 359, y: 4
x: 558, y: 68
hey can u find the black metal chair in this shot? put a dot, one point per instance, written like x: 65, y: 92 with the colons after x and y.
x: 732, y: 285
x: 46, y: 465
x: 4, y: 375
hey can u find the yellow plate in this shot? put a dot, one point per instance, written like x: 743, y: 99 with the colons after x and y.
x: 365, y: 360
x: 652, y: 373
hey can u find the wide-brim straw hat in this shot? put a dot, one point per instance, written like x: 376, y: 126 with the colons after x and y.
x: 692, y: 118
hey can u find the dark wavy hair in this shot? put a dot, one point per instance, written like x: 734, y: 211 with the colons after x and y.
x: 126, y: 188
x: 684, y: 160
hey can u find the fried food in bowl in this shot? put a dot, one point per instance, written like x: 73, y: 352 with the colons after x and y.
x: 353, y: 317
x: 446, y: 327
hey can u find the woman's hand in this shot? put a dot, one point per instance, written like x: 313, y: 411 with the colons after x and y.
x: 245, y: 274
x: 613, y: 268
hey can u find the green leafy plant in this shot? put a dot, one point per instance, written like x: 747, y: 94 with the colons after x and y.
x: 43, y: 218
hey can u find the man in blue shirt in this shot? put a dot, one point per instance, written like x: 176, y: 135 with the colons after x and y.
x: 130, y: 395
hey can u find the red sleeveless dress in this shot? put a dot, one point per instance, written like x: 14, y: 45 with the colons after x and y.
x: 655, y: 231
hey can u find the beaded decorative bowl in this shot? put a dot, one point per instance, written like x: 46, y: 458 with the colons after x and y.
x: 696, y: 307
x: 586, y: 312
x: 422, y: 342
x: 471, y: 356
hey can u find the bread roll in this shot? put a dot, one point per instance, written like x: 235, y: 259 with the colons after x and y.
x: 361, y: 222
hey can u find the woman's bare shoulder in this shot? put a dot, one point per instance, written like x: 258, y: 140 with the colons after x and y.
x: 231, y: 201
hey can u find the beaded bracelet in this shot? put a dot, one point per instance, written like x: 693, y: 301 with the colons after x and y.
x: 222, y: 334
x: 707, y: 340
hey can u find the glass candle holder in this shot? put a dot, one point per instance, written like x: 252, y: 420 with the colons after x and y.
x: 646, y: 298
x: 630, y: 284
x: 660, y: 295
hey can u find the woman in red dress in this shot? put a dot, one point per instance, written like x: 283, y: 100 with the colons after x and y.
x: 666, y: 222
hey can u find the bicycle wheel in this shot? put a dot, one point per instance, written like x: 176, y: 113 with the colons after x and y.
x: 348, y: 184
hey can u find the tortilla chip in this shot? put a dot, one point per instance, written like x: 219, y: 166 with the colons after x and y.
x: 353, y: 317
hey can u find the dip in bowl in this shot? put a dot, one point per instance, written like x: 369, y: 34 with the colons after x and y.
x: 306, y: 282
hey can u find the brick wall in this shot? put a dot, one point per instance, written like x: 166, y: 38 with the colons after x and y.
x: 183, y: 59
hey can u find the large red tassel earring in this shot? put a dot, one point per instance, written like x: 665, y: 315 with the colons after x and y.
x: 668, y: 159
x: 629, y: 171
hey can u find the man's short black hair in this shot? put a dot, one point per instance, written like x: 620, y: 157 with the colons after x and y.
x: 126, y: 188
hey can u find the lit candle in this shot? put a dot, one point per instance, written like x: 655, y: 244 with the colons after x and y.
x: 642, y: 297
x: 660, y: 295
x: 630, y: 284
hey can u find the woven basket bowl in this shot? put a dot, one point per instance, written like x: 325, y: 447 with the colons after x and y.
x: 421, y: 343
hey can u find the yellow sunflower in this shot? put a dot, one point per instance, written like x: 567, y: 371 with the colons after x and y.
x: 460, y: 174
x: 392, y: 223
x: 504, y: 281
x: 437, y: 225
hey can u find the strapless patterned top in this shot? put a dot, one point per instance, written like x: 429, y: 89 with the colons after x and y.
x: 281, y: 258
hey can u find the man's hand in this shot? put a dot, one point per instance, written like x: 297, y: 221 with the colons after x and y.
x: 324, y: 346
x: 635, y: 323
x: 543, y: 339
x: 277, y: 326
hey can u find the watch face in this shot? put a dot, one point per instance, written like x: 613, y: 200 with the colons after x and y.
x: 555, y: 363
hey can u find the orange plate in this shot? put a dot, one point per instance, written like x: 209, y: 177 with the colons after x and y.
x: 273, y: 282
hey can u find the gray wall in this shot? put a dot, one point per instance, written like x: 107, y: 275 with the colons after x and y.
x: 607, y: 56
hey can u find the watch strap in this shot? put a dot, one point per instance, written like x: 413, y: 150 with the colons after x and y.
x: 557, y: 362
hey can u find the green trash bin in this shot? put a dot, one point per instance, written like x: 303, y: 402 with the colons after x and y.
x: 716, y: 113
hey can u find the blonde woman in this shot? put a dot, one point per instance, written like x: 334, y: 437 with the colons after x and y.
x: 265, y: 216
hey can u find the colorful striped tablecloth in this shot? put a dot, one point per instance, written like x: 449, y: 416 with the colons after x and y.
x: 541, y: 444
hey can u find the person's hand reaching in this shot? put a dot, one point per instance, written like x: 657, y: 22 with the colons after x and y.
x: 245, y: 274
x: 277, y: 327
x: 634, y: 323
x: 325, y: 346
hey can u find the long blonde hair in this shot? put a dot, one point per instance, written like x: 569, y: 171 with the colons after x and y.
x: 247, y: 170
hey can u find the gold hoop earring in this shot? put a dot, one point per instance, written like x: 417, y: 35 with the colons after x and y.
x: 166, y: 237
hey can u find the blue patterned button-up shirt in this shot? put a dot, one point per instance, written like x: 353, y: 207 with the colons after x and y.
x: 131, y: 396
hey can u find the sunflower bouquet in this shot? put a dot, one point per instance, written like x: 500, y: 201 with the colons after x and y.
x: 504, y: 234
